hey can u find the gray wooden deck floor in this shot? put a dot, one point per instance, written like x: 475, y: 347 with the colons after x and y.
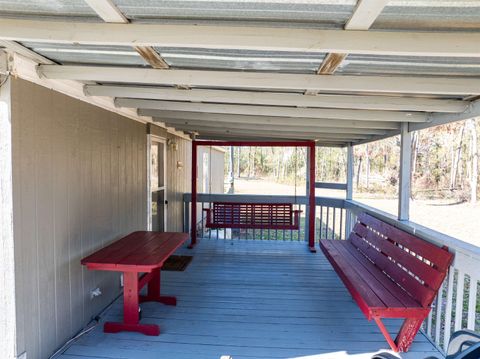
x: 249, y: 299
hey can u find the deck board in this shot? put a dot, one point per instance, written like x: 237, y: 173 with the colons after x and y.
x: 249, y: 299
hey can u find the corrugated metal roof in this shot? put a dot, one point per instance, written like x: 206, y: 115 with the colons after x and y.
x: 410, y: 65
x: 430, y: 15
x: 47, y: 8
x: 322, y: 13
x: 296, y: 62
x: 88, y: 54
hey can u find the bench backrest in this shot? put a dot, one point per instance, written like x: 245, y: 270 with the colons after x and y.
x: 257, y: 214
x: 416, y: 265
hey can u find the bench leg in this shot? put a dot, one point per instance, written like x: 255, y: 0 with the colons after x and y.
x: 386, y: 334
x: 130, y: 310
x: 405, y: 336
x: 153, y: 291
x: 407, y: 333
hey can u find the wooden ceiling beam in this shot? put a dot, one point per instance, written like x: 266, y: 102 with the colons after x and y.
x: 262, y: 81
x: 341, y: 114
x: 402, y: 43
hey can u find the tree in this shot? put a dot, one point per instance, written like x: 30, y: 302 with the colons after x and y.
x: 474, y: 160
x: 456, y: 156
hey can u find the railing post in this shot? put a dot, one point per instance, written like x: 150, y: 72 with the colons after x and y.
x: 307, y: 189
x: 193, y: 225
x: 405, y: 176
x: 311, y: 197
x: 349, y: 194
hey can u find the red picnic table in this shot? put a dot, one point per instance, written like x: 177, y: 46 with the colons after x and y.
x: 139, y: 252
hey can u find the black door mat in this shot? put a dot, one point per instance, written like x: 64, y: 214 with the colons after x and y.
x: 177, y: 263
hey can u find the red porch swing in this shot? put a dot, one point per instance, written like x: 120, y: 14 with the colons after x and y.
x: 280, y: 216
x: 276, y: 216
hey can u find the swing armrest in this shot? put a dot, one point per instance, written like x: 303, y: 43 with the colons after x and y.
x: 296, y: 216
x: 208, y: 215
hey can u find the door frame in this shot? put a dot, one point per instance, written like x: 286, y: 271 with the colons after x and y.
x: 150, y: 140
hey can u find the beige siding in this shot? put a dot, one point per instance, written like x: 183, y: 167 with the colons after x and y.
x: 179, y: 164
x: 216, y: 158
x: 79, y: 183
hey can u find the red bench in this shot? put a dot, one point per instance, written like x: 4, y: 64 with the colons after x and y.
x: 253, y: 215
x: 390, y: 274
x: 139, y: 252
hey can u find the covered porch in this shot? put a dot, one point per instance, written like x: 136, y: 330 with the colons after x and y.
x: 87, y: 87
x: 250, y: 299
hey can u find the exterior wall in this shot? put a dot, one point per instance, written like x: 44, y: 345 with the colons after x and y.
x: 179, y: 173
x: 216, y: 172
x: 79, y: 175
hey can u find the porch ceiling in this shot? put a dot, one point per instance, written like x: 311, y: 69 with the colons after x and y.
x: 262, y: 69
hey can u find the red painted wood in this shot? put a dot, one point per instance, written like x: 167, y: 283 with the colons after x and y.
x: 407, y: 333
x: 305, y: 143
x: 136, y: 253
x: 419, y: 292
x: 386, y: 334
x: 153, y: 291
x: 130, y: 298
x: 139, y: 250
x: 311, y: 199
x: 431, y: 276
x: 146, y: 329
x: 193, y: 219
x: 439, y: 256
x: 253, y: 215
x: 388, y: 292
x: 374, y: 286
x: 376, y: 265
x: 358, y: 287
x: 309, y: 144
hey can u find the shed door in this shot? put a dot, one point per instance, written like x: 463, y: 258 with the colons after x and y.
x: 158, y: 185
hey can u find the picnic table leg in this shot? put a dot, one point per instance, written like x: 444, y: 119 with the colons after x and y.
x: 131, y: 310
x: 153, y: 291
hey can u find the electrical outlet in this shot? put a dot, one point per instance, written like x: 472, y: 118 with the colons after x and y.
x: 95, y: 293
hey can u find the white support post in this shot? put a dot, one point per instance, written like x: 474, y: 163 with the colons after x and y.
x: 349, y: 194
x: 405, y: 176
x: 349, y: 172
x: 7, y: 264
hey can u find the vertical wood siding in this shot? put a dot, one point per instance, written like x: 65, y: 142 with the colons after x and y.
x: 216, y: 170
x: 79, y: 176
x: 178, y: 181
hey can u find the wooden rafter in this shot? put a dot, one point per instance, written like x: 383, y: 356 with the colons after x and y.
x: 110, y: 13
x: 389, y: 103
x: 402, y: 43
x: 150, y: 55
x: 257, y: 80
x: 345, y: 114
x: 362, y: 18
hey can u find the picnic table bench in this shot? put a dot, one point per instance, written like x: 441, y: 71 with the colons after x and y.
x: 390, y: 274
x: 139, y: 252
